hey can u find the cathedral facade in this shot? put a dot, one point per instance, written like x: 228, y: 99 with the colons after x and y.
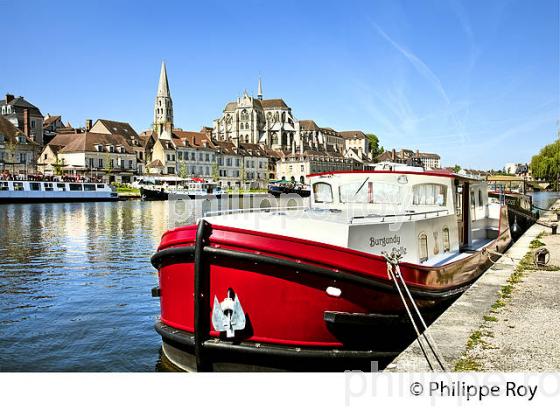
x: 270, y: 123
x: 257, y: 121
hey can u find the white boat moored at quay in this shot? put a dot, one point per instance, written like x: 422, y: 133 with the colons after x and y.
x: 15, y: 191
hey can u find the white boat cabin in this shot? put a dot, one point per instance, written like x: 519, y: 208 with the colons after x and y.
x: 422, y: 212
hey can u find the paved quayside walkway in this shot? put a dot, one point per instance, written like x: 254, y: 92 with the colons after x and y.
x: 509, y: 320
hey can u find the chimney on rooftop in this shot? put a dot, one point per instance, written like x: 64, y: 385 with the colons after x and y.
x: 26, y: 121
x: 88, y: 124
x: 394, y: 154
x: 9, y: 98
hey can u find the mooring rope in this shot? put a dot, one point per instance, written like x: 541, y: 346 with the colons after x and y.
x: 394, y: 273
x: 499, y: 255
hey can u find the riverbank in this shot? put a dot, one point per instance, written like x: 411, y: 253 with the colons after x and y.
x: 508, y: 320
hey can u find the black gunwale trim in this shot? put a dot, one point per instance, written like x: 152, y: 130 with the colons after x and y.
x: 186, y: 253
x: 186, y: 341
x: 201, y: 300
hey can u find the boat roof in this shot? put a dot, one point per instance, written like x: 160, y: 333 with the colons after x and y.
x: 435, y: 172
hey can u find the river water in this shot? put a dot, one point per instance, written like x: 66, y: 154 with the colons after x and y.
x: 545, y: 199
x: 75, y: 282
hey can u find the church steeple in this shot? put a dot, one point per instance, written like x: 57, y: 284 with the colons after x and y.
x: 163, y: 86
x: 163, y: 109
x: 259, y: 91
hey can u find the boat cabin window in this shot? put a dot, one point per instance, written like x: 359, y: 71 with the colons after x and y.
x: 18, y: 186
x: 423, y: 247
x: 100, y: 186
x: 322, y: 192
x: 89, y: 187
x: 75, y: 187
x: 48, y: 186
x: 35, y: 186
x: 446, y: 241
x: 430, y: 194
x: 365, y: 192
x: 4, y: 186
x: 480, y: 197
x: 61, y: 187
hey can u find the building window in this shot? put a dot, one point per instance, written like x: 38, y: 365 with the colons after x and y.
x: 130, y: 164
x: 100, y: 162
x: 446, y: 241
x: 423, y: 247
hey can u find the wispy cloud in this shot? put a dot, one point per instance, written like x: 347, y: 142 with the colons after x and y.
x: 418, y: 64
x: 431, y: 77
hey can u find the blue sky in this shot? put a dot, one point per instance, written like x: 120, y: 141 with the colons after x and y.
x: 476, y: 81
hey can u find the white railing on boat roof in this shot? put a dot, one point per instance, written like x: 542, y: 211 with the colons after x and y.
x: 253, y: 210
x: 351, y: 220
x: 407, y: 214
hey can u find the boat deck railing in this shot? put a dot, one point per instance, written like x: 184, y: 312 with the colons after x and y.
x: 359, y: 218
x: 408, y: 215
x: 254, y: 210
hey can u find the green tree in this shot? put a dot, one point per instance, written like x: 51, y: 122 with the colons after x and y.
x: 57, y: 165
x: 546, y: 164
x: 215, y: 172
x: 242, y: 173
x: 11, y: 148
x: 374, y: 146
x: 108, y: 168
x: 457, y: 168
x: 183, y: 169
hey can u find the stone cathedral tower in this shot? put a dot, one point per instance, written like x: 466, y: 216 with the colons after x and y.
x: 163, y: 109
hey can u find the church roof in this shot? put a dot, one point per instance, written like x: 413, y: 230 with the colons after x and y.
x: 308, y: 125
x: 163, y: 86
x: 273, y: 103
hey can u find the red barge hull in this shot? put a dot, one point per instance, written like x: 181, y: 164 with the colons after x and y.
x: 292, y: 322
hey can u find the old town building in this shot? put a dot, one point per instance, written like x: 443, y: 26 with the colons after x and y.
x: 24, y: 115
x: 17, y: 151
x: 91, y: 155
x: 410, y: 157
